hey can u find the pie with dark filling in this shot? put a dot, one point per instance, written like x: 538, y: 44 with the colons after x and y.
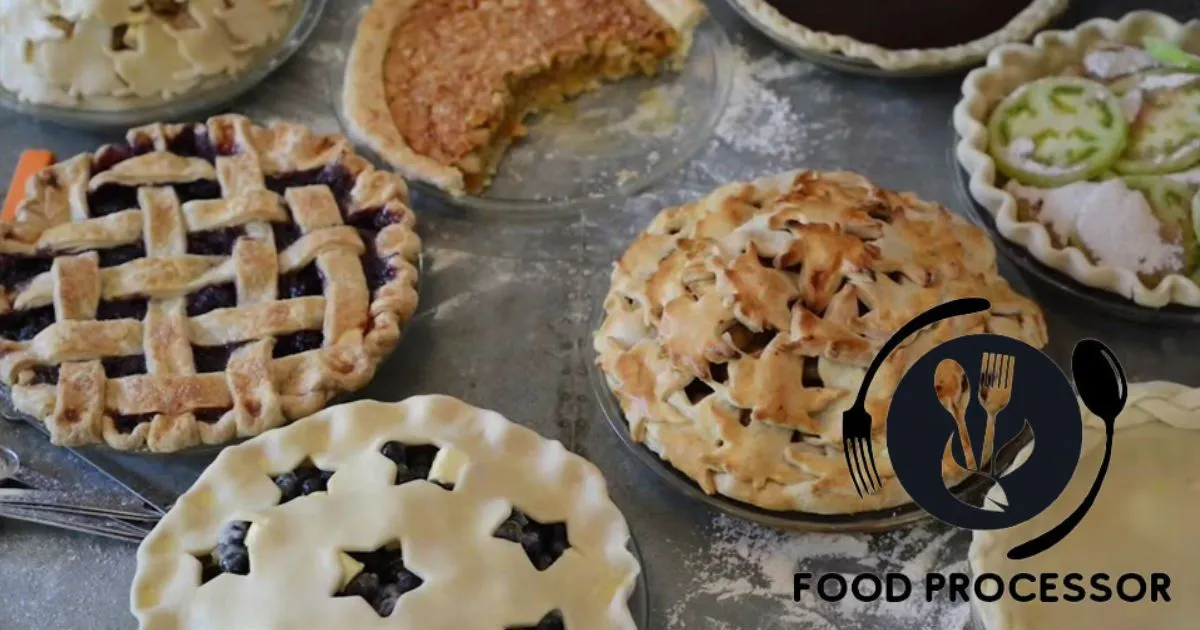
x: 739, y: 327
x: 201, y: 282
x: 440, y: 88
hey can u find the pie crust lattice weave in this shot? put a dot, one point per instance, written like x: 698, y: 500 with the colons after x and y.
x: 201, y: 282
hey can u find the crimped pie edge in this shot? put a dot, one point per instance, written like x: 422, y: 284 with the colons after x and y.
x: 1034, y: 17
x: 1014, y: 64
x: 162, y: 558
x: 1170, y: 403
x: 365, y: 102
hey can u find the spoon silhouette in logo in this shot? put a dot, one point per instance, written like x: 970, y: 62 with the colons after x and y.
x: 1101, y: 384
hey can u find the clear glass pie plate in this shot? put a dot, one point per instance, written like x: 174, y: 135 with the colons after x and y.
x: 1098, y: 299
x: 604, y: 145
x: 206, y: 98
x: 877, y: 521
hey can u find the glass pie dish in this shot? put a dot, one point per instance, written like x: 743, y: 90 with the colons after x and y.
x: 862, y: 522
x: 210, y: 95
x: 600, y: 146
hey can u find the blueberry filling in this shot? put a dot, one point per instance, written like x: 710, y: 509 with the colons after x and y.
x: 378, y: 271
x: 335, y: 177
x: 111, y: 155
x: 217, y: 242
x: 120, y: 367
x: 373, y: 219
x: 285, y: 234
x: 121, y: 255
x: 306, y: 281
x: 295, y: 343
x: 133, y: 308
x: 552, y: 621
x: 45, y: 375
x: 17, y: 270
x: 543, y: 543
x: 413, y: 462
x: 382, y: 581
x: 112, y: 198
x: 193, y: 141
x: 211, y: 298
x: 301, y: 482
x: 126, y: 423
x: 230, y: 555
x: 213, y: 358
x: 25, y: 325
x: 197, y: 190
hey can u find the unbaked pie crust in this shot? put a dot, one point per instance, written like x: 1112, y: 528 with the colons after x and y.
x: 471, y: 579
x: 1143, y: 520
x: 739, y: 327
x: 560, y: 74
x: 1013, y: 65
x: 1036, y: 16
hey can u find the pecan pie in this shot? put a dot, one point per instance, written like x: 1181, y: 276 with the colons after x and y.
x: 739, y: 328
x: 201, y: 282
x: 427, y: 513
x: 440, y: 88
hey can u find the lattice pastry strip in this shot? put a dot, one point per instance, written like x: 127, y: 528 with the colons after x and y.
x: 232, y: 277
x: 739, y: 327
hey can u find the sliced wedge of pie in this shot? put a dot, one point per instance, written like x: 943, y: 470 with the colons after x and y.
x: 440, y: 88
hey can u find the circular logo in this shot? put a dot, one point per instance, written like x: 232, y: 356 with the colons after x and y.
x: 981, y: 397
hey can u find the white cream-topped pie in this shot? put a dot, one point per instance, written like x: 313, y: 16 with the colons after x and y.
x: 428, y: 513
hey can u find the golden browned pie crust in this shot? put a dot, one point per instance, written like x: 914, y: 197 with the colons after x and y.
x: 440, y: 88
x: 739, y: 327
x: 201, y: 282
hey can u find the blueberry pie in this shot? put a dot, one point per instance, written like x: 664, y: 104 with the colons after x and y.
x: 201, y: 282
x: 739, y: 327
x: 442, y: 87
x: 427, y: 513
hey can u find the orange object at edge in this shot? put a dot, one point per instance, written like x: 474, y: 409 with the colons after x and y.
x: 32, y: 161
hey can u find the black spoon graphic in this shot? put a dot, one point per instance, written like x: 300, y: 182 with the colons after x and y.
x: 1102, y: 386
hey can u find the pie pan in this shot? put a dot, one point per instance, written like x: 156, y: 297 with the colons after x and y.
x: 209, y: 96
x: 866, y: 522
x: 847, y: 54
x: 1102, y: 300
x: 603, y: 145
x: 1015, y: 64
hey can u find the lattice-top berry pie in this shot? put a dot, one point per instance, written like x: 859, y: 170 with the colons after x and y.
x: 739, y: 328
x: 427, y: 513
x: 201, y: 282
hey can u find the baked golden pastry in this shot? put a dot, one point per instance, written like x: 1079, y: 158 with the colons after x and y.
x: 739, y: 327
x: 201, y: 282
x: 440, y: 88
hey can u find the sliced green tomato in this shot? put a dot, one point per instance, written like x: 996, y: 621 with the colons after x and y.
x: 1057, y: 130
x: 1165, y: 136
x: 1173, y: 203
x: 1171, y: 54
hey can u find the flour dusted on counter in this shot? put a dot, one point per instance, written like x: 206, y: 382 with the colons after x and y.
x: 758, y: 119
x: 746, y: 561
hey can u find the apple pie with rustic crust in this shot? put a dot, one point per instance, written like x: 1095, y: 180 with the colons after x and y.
x: 739, y: 327
x: 441, y: 88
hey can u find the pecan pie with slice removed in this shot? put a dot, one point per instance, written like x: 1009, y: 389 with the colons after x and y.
x: 739, y: 327
x: 440, y: 88
x: 201, y: 282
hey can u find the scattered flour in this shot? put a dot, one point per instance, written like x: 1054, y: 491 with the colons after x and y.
x: 749, y: 561
x: 758, y: 119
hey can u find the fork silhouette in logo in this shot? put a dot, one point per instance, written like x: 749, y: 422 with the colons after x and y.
x: 996, y: 374
x: 857, y: 435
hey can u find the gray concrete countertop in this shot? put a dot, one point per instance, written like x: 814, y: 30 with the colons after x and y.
x: 505, y: 319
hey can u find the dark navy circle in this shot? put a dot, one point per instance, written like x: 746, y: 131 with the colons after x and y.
x: 918, y: 429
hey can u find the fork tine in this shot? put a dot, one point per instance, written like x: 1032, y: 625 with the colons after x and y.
x: 871, y: 458
x: 983, y: 372
x: 1010, y: 372
x: 861, y: 450
x: 847, y: 447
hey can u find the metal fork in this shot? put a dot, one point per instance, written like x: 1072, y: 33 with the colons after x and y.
x: 995, y: 390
